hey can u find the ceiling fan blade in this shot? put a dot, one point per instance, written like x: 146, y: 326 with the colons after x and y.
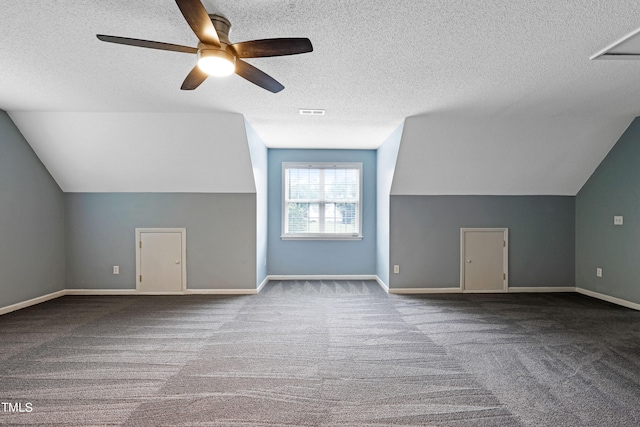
x: 147, y: 43
x: 198, y: 19
x: 194, y: 79
x: 257, y: 77
x: 272, y: 47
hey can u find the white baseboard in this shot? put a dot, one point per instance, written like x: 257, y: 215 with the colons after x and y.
x: 382, y: 284
x: 425, y: 291
x: 32, y: 301
x: 134, y: 292
x: 322, y: 277
x: 261, y: 285
x: 483, y: 291
x: 99, y: 292
x: 58, y: 294
x: 221, y: 291
x: 544, y: 289
x: 613, y: 300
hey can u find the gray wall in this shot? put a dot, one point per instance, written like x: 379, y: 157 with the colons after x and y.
x: 221, y: 237
x: 613, y: 189
x: 386, y: 158
x: 322, y: 257
x: 425, y: 238
x: 31, y: 222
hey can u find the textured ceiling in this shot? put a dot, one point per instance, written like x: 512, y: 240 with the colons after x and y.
x: 374, y: 64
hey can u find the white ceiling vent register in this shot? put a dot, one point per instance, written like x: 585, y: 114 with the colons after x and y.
x: 627, y: 47
x: 311, y: 112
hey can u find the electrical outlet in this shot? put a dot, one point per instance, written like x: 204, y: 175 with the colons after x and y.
x: 617, y: 220
x: 598, y: 272
x: 116, y: 269
x: 396, y: 269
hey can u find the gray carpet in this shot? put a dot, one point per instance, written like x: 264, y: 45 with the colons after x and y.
x: 322, y: 354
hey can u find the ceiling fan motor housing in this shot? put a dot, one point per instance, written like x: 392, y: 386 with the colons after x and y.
x: 222, y: 26
x: 224, y: 54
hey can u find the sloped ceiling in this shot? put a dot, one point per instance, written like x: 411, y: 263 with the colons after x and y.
x: 141, y: 152
x: 501, y: 155
x: 374, y: 63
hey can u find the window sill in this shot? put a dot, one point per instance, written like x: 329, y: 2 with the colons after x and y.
x: 320, y: 237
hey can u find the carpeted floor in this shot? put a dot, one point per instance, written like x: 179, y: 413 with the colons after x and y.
x: 322, y: 354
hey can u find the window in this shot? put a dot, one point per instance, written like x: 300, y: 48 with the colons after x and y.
x: 322, y: 201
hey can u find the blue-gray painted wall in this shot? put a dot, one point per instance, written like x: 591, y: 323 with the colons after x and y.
x: 425, y: 238
x: 221, y: 237
x: 613, y: 189
x: 322, y: 257
x: 32, y: 259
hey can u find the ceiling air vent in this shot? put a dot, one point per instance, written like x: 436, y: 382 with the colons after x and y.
x: 311, y: 112
x: 627, y: 47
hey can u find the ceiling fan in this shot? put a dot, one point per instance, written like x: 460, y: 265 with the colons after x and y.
x: 216, y: 55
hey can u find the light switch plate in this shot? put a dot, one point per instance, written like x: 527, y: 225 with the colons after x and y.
x: 617, y: 220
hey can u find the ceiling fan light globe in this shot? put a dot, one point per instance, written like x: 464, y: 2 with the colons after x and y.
x: 217, y: 63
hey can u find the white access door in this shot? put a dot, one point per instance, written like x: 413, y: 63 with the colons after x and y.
x: 483, y: 264
x: 161, y: 261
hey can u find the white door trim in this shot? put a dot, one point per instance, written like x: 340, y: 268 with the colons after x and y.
x: 182, y: 231
x: 505, y: 257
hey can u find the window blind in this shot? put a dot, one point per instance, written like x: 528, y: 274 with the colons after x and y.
x: 322, y: 199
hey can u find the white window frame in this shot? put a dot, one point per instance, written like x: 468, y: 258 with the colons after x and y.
x: 319, y: 236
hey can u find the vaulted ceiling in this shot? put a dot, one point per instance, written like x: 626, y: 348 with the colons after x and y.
x: 374, y: 63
